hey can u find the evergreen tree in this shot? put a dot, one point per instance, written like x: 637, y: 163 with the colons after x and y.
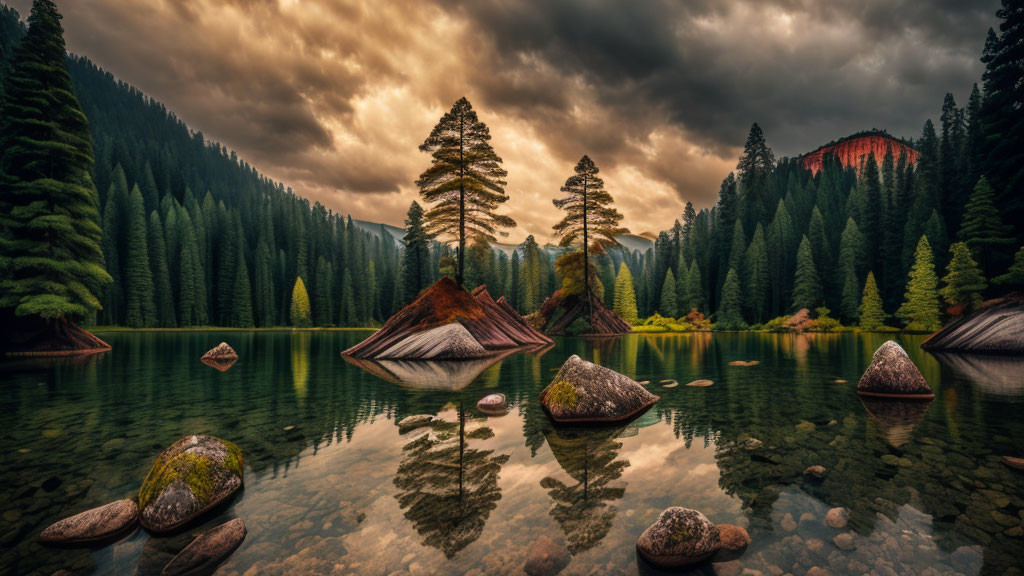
x: 850, y: 250
x: 263, y: 284
x: 920, y: 309
x: 982, y: 228
x: 1014, y: 277
x: 730, y: 313
x: 348, y: 305
x: 668, y: 307
x: 591, y: 222
x: 416, y: 258
x: 323, y: 301
x: 806, y: 286
x: 755, y: 169
x: 162, y: 293
x: 757, y: 277
x: 241, y: 300
x: 781, y: 247
x: 964, y: 282
x: 625, y: 296
x: 51, y: 263
x: 925, y: 192
x: 299, y: 312
x: 695, y: 289
x: 737, y: 250
x: 935, y: 230
x: 465, y: 182
x: 871, y: 216
x: 870, y: 312
x: 141, y: 309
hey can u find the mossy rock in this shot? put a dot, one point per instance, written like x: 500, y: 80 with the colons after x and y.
x: 585, y: 392
x: 189, y: 478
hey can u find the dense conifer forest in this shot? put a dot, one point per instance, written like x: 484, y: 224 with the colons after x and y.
x: 192, y: 235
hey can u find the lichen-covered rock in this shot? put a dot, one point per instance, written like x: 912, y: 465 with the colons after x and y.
x: 439, y: 343
x: 208, y: 550
x: 546, y: 558
x: 415, y: 421
x: 733, y: 542
x: 221, y: 352
x: 680, y: 537
x: 892, y: 374
x: 492, y: 404
x: 190, y: 477
x: 93, y: 525
x: 585, y: 392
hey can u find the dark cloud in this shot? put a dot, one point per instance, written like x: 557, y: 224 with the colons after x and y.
x: 333, y: 97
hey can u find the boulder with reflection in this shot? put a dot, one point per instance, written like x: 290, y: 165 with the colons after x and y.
x: 998, y: 328
x: 892, y: 374
x: 447, y: 487
x: 583, y: 507
x: 429, y: 374
x: 221, y: 357
x: 585, y: 392
x: 996, y: 375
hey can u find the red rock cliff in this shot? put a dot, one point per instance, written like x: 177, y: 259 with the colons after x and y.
x: 854, y: 150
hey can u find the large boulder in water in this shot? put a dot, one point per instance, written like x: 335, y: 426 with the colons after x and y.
x: 190, y: 477
x: 998, y: 328
x: 680, y: 537
x: 440, y: 343
x: 585, y: 392
x: 94, y: 525
x: 208, y: 550
x: 221, y: 352
x: 892, y: 374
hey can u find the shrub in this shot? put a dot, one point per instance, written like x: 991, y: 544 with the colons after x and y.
x: 579, y: 326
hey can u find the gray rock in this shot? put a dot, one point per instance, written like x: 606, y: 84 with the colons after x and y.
x: 93, y: 525
x: 415, y: 421
x: 893, y: 375
x: 546, y: 558
x: 207, y: 551
x: 190, y: 477
x: 733, y: 542
x: 439, y: 343
x: 585, y: 392
x: 680, y: 537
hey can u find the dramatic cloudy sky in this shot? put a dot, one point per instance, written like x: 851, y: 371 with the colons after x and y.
x: 333, y: 97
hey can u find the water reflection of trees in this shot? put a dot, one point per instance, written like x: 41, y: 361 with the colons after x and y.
x: 583, y: 509
x: 447, y: 488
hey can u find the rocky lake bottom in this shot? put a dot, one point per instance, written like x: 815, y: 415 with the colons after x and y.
x: 332, y: 486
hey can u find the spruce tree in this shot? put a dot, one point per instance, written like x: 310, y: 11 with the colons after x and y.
x: 348, y: 306
x: 850, y: 250
x: 298, y: 310
x: 1014, y: 277
x: 963, y: 282
x: 755, y: 169
x: 241, y: 300
x: 465, y: 182
x: 920, y: 309
x: 806, y: 285
x: 416, y: 256
x: 263, y: 284
x: 323, y: 302
x: 781, y: 247
x: 51, y: 263
x: 668, y: 306
x: 591, y: 222
x: 730, y: 312
x: 757, y: 276
x: 871, y: 314
x: 871, y: 216
x: 141, y: 310
x: 162, y: 292
x: 695, y: 289
x: 982, y: 227
x: 625, y: 295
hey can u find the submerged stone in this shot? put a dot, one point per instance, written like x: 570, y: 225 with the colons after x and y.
x: 816, y: 472
x: 585, y: 392
x: 415, y: 421
x: 546, y: 558
x: 492, y: 404
x: 837, y: 517
x: 893, y: 375
x: 744, y: 363
x: 208, y: 550
x: 702, y: 383
x: 93, y: 525
x: 680, y: 537
x: 733, y: 542
x: 189, y: 478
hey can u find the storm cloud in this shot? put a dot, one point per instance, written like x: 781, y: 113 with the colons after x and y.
x: 333, y: 97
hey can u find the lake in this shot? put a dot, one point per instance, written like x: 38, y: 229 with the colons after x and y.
x: 332, y: 487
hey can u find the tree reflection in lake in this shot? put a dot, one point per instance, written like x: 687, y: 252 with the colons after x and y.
x: 448, y: 489
x: 588, y: 456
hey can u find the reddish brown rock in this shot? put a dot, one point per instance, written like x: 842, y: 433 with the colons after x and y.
x: 892, y: 374
x: 493, y: 326
x: 220, y: 352
x: 817, y: 472
x: 558, y: 312
x: 853, y: 151
x: 207, y: 551
x: 93, y: 525
x: 1016, y: 463
x: 680, y: 537
x: 733, y: 542
x: 546, y: 558
x: 837, y: 517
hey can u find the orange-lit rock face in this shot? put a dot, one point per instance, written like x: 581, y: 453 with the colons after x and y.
x: 855, y: 151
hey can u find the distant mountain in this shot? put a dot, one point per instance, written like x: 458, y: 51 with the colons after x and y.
x: 855, y: 149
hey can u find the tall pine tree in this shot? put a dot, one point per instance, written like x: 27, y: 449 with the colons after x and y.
x: 920, y: 309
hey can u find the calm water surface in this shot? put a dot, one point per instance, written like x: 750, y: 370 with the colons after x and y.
x: 332, y: 487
